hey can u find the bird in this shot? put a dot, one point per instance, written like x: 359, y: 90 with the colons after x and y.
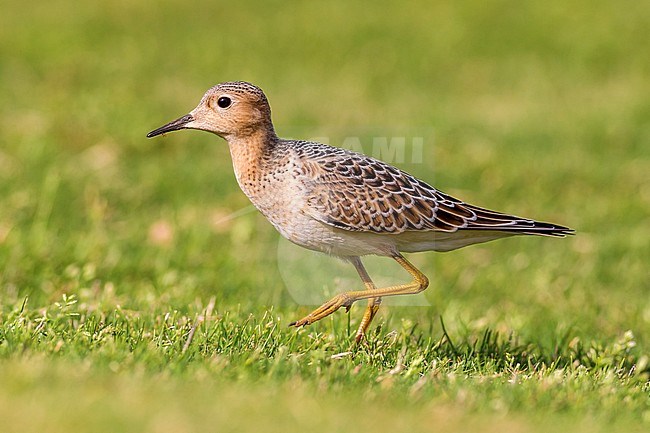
x: 340, y: 202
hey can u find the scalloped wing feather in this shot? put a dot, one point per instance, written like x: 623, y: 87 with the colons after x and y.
x: 354, y: 192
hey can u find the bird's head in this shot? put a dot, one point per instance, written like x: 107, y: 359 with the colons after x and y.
x: 234, y: 109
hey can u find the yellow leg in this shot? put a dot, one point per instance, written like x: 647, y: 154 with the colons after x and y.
x: 419, y: 283
x: 368, y: 315
x: 373, y: 303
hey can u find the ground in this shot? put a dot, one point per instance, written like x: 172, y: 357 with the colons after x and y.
x: 139, y: 292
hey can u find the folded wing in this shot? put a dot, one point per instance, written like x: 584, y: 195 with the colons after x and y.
x: 354, y: 192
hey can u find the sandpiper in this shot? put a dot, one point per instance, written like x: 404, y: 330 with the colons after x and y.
x: 340, y: 202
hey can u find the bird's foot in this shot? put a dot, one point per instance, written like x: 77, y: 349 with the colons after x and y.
x: 338, y: 301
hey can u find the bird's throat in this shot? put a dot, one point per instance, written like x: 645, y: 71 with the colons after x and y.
x: 248, y: 156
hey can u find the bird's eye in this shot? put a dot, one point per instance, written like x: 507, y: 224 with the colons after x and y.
x: 224, y: 102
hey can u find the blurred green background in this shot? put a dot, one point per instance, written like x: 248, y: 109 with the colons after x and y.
x: 538, y: 108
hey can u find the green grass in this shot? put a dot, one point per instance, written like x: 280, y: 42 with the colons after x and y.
x: 114, y: 249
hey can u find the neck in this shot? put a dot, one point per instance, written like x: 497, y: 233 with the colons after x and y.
x: 249, y: 151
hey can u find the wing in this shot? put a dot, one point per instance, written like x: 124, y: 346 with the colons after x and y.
x: 354, y: 192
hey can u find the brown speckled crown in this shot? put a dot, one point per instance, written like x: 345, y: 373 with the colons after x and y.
x: 240, y: 87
